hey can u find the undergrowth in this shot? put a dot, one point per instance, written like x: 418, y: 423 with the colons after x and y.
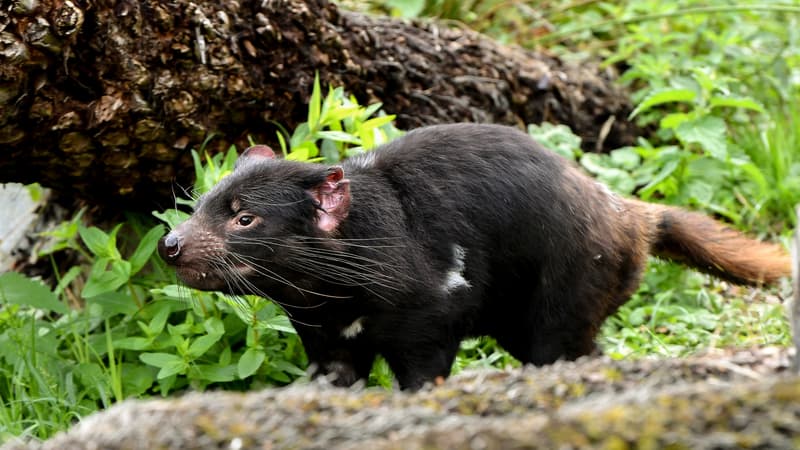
x: 719, y: 89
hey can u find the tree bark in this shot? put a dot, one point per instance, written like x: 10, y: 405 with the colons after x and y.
x: 103, y: 100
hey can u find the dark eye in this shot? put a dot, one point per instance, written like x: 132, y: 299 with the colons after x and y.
x: 245, y: 220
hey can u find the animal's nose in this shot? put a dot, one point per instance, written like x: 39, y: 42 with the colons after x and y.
x: 169, y: 247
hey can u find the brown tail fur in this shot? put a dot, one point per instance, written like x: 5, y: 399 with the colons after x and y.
x: 709, y: 246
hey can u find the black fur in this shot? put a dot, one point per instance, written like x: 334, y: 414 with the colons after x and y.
x: 547, y: 253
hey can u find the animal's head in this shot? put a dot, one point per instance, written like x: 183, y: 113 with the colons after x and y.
x: 243, y: 228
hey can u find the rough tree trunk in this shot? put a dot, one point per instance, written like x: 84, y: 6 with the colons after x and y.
x: 103, y: 100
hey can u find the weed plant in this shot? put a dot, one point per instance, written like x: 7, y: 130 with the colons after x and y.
x: 717, y: 82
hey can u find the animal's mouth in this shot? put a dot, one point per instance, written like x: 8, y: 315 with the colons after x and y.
x: 203, y: 279
x: 208, y: 279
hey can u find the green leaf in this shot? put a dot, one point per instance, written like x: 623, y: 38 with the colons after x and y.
x: 558, y: 138
x: 666, y: 171
x: 700, y: 191
x: 103, y: 280
x: 286, y: 366
x: 96, y: 240
x: 136, y: 379
x: 250, y: 361
x: 672, y: 120
x: 145, y: 248
x: 168, y: 363
x: 201, y: 345
x: 626, y: 158
x: 339, y: 136
x: 114, y: 303
x: 160, y: 359
x: 18, y: 289
x: 133, y: 343
x: 736, y: 102
x: 278, y: 323
x: 314, y: 104
x: 707, y: 131
x: 216, y: 373
x: 661, y: 96
x: 172, y: 217
x: 171, y: 292
x: 377, y: 122
x: 66, y: 279
x: 214, y: 325
x: 303, y: 152
x: 156, y: 325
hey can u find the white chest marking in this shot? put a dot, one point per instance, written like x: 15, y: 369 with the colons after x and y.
x: 455, y: 276
x: 354, y: 329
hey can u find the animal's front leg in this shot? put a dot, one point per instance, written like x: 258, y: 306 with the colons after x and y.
x: 343, y: 361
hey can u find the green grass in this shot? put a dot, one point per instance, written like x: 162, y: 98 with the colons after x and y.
x: 718, y: 89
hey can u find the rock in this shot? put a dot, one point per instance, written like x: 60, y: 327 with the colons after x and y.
x: 720, y: 400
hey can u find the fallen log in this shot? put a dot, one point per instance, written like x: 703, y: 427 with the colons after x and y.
x: 103, y: 100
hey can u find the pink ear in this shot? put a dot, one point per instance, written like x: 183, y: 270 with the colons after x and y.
x: 333, y: 196
x: 258, y: 151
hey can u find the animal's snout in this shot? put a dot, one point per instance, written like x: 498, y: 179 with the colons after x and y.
x: 169, y: 247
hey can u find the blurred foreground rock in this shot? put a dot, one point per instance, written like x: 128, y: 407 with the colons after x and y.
x: 723, y: 400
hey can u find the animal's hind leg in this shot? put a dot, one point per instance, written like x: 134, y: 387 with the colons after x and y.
x: 539, y: 343
x: 547, y: 326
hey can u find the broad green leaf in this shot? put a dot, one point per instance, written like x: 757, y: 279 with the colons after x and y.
x: 201, y: 345
x: 145, y: 248
x: 96, y: 241
x: 558, y: 138
x: 225, y: 356
x: 18, y: 289
x: 162, y: 311
x: 105, y: 277
x: 625, y: 158
x: 172, y: 217
x: 303, y: 152
x: 172, y: 292
x: 278, y: 323
x: 301, y: 134
x: 672, y: 120
x: 160, y: 359
x: 707, y: 131
x: 168, y: 363
x: 170, y: 369
x: 250, y: 361
x: 136, y: 379
x: 216, y: 373
x: 114, y: 303
x: 329, y: 151
x: 662, y: 96
x: 700, y: 191
x: 377, y: 122
x: 736, y: 102
x: 666, y: 171
x: 214, y: 325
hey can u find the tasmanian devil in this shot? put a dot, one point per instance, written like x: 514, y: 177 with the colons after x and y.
x: 449, y: 231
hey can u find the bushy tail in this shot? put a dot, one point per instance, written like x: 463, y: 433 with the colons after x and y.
x: 709, y: 246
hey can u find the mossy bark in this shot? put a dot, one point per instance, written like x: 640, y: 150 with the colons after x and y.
x: 741, y: 400
x: 103, y: 100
